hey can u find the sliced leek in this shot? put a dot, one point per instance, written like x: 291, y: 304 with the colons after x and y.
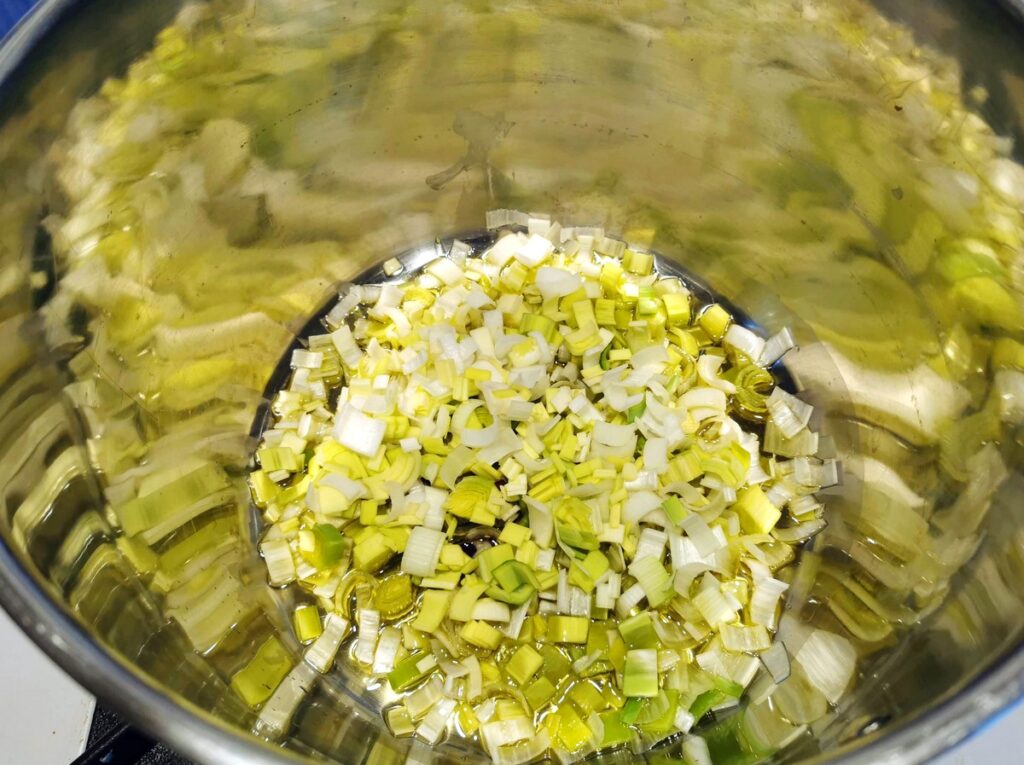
x: 538, y: 492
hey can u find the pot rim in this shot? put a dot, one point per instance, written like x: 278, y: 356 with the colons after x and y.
x: 202, y: 737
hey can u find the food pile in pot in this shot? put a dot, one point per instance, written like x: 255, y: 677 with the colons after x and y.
x: 542, y: 492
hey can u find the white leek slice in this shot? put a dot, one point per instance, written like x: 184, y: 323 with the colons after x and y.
x: 499, y: 218
x: 651, y: 544
x: 276, y: 715
x: 420, y: 701
x: 776, y: 660
x: 712, y: 604
x: 707, y: 370
x: 614, y: 435
x: 704, y: 539
x: 455, y: 464
x: 639, y: 504
x: 488, y: 610
x: 656, y: 455
x: 704, y: 398
x: 764, y: 601
x: 556, y: 282
x: 745, y: 341
x: 349, y: 489
x: 777, y: 346
x: 545, y: 560
x: 366, y: 643
x: 828, y: 660
x: 359, y: 432
x: 745, y: 639
x: 280, y: 564
x: 629, y: 600
x: 447, y: 271
x: 346, y: 346
x: 306, y: 359
x: 422, y: 551
x: 788, y: 412
x: 608, y: 591
x: 800, y: 532
x: 320, y: 655
x: 502, y: 732
x: 534, y: 251
x: 387, y: 649
x: 474, y: 684
x: 542, y: 525
x: 696, y: 750
x: 516, y: 620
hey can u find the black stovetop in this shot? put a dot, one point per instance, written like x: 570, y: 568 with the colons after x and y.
x: 113, y: 742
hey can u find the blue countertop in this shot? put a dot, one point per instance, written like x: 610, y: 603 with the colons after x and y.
x: 11, y: 12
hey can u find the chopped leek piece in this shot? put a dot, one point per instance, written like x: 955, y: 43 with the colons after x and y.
x: 307, y: 623
x: 372, y: 553
x: 524, y: 664
x: 278, y: 556
x: 321, y: 654
x: 573, y: 731
x: 511, y: 574
x: 480, y: 634
x: 714, y: 320
x: 616, y: 731
x: 394, y: 596
x: 828, y: 660
x: 325, y: 546
x: 743, y: 639
x: 568, y: 629
x: 674, y: 510
x: 399, y: 721
x: 433, y: 610
x: 514, y: 534
x: 677, y: 308
x: 174, y: 499
x: 539, y: 692
x: 655, y: 580
x: 587, y: 697
x: 411, y: 670
x: 258, y: 679
x: 464, y: 599
x: 757, y: 514
x: 516, y: 597
x: 422, y: 551
x: 638, y: 631
x: 494, y: 557
x: 631, y: 710
x: 706, y: 701
x: 639, y: 263
x: 640, y: 677
x: 659, y: 714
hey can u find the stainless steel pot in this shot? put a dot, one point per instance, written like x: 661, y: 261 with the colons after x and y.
x: 815, y: 164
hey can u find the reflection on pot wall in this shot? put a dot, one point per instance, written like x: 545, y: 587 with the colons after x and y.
x: 165, y: 238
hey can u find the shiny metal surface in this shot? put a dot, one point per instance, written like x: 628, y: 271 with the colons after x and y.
x: 752, y: 143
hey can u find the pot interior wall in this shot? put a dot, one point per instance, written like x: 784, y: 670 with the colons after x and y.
x: 786, y: 153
